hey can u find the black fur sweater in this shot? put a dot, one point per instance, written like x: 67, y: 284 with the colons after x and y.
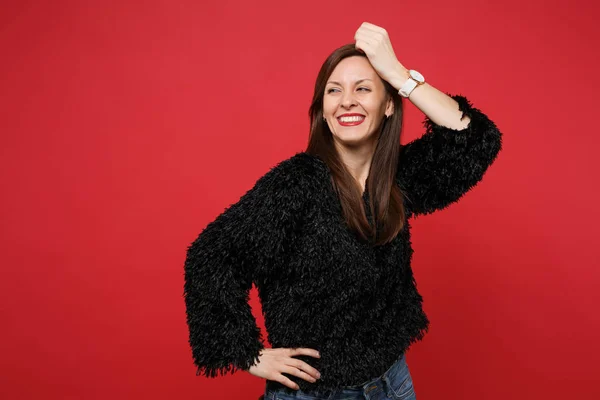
x: 320, y: 287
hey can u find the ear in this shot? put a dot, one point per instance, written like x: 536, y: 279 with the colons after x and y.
x: 389, y: 110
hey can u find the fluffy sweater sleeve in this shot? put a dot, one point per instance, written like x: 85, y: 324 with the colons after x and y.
x: 220, y: 267
x: 438, y: 168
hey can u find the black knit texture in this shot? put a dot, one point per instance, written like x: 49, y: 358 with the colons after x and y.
x: 321, y: 286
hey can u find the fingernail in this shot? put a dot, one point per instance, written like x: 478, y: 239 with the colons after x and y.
x: 318, y: 375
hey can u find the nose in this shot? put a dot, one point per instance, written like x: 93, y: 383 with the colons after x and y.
x: 348, y: 99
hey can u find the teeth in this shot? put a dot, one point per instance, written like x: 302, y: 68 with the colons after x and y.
x: 351, y: 119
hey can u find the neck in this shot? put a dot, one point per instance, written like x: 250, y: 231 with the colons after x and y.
x: 358, y: 162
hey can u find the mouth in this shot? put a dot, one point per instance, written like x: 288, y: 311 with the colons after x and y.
x: 351, y: 120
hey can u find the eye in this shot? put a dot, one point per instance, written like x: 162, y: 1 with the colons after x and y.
x: 361, y: 88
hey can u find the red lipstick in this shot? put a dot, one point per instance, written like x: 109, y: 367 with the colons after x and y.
x: 351, y: 123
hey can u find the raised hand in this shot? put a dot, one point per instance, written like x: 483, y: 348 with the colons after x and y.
x: 374, y: 41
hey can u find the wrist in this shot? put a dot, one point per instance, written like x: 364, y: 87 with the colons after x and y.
x: 400, y: 77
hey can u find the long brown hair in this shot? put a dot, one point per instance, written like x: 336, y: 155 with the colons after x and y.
x: 385, y: 197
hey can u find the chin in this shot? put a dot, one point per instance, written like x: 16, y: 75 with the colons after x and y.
x: 351, y: 142
x: 353, y: 139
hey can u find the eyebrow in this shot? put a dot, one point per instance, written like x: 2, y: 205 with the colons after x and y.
x: 357, y: 82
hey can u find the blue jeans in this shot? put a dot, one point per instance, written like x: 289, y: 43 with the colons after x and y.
x: 395, y: 383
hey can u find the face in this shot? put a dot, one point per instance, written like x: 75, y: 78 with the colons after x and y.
x: 355, y: 88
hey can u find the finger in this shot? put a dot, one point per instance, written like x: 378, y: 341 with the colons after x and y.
x: 374, y: 33
x: 375, y: 37
x: 364, y: 46
x: 292, y: 370
x: 374, y: 28
x: 303, y: 367
x: 304, y: 351
x: 366, y: 41
x: 286, y: 381
x: 366, y: 35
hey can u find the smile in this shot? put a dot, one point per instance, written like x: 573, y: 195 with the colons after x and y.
x: 351, y: 121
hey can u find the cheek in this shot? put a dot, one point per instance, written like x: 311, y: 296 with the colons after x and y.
x: 372, y: 106
x: 328, y: 111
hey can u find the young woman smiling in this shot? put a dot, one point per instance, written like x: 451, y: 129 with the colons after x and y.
x: 325, y: 236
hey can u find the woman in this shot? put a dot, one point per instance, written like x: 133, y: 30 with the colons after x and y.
x: 325, y: 236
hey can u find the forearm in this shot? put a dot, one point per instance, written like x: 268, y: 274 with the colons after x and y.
x: 440, y: 166
x: 438, y: 106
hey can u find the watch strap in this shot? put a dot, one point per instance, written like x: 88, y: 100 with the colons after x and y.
x: 407, y: 87
x: 415, y: 79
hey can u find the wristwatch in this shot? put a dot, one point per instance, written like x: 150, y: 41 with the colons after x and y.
x: 415, y: 79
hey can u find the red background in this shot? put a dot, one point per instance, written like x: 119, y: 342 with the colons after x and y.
x: 127, y: 126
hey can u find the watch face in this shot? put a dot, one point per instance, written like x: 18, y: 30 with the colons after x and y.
x: 416, y: 75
